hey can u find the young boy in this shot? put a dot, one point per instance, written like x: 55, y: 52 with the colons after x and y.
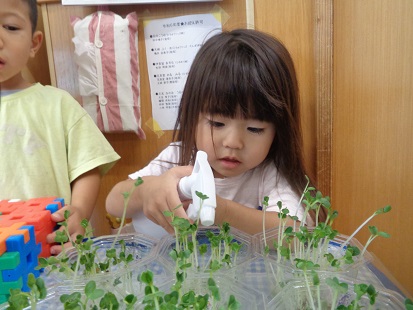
x: 49, y: 146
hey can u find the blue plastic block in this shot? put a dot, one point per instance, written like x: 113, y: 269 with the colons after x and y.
x: 29, y: 254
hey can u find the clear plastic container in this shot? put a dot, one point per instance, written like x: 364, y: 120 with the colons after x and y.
x: 214, y: 251
x: 295, y: 295
x: 333, y: 247
x: 249, y: 299
x: 137, y: 245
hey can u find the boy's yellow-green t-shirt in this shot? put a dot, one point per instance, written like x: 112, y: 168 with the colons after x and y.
x: 47, y: 140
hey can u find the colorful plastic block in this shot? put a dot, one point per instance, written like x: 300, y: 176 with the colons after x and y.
x: 24, y: 226
x: 9, y: 260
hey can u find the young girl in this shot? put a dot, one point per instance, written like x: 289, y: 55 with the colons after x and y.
x: 241, y: 106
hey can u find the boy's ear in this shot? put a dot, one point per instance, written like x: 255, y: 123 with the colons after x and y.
x: 37, y: 40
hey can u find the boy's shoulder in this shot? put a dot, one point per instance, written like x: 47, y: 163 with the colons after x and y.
x: 46, y: 91
x: 53, y: 94
x: 49, y: 89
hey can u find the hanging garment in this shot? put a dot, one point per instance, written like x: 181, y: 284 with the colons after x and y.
x: 106, y: 54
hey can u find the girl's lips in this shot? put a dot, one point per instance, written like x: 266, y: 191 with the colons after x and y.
x: 230, y: 163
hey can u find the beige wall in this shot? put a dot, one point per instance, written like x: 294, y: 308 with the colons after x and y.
x: 292, y: 23
x: 365, y: 160
x: 373, y: 128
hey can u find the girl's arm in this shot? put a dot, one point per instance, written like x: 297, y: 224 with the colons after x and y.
x: 154, y: 196
x: 85, y: 191
x: 243, y: 218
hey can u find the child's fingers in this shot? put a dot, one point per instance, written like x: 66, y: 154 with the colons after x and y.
x: 50, y: 238
x: 57, y: 249
x: 163, y: 222
x: 58, y: 216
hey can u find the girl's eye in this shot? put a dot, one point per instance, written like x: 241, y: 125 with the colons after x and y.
x: 255, y: 130
x: 215, y: 124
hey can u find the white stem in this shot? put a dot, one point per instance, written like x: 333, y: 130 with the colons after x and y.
x: 357, y: 230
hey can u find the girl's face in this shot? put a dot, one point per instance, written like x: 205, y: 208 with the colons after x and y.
x: 233, y: 145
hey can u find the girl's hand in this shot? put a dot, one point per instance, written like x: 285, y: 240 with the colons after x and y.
x: 160, y: 193
x: 74, y: 227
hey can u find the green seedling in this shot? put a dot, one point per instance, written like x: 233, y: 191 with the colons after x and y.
x: 379, y: 211
x: 84, y: 247
x: 338, y: 289
x: 360, y: 290
x: 305, y: 248
x: 96, y: 298
x: 86, y: 254
x: 126, y: 198
x: 374, y: 233
x: 157, y: 300
x: 77, y: 301
x: 20, y: 300
x: 309, y: 267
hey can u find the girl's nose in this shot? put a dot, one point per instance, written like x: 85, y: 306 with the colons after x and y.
x: 233, y: 139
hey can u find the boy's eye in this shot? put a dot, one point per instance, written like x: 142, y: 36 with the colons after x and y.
x: 255, y: 130
x: 10, y: 28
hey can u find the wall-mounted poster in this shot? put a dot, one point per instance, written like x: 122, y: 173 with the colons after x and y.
x: 99, y: 2
x: 171, y: 45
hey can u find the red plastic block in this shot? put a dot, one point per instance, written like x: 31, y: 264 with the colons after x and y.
x: 7, y: 207
x: 35, y: 212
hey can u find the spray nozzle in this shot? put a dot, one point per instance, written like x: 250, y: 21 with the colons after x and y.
x: 201, y: 180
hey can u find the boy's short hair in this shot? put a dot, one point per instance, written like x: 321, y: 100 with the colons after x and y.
x: 32, y: 13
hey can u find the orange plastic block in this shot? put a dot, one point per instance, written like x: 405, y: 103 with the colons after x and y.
x: 6, y: 232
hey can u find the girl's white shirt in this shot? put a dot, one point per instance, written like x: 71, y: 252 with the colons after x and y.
x: 248, y: 189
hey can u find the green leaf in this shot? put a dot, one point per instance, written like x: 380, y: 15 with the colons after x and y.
x: 109, y: 301
x: 334, y: 283
x: 373, y: 230
x: 146, y: 277
x: 84, y: 223
x: 31, y: 280
x: 383, y: 210
x: 200, y: 195
x: 408, y: 304
x: 233, y: 304
x: 383, y: 234
x: 138, y: 181
x: 66, y: 214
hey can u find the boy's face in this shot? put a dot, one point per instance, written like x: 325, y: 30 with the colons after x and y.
x: 233, y: 145
x: 17, y: 43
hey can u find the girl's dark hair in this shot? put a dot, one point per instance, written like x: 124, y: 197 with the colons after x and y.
x: 33, y: 13
x: 249, y: 72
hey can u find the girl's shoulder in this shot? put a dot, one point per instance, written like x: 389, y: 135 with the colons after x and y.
x: 167, y: 158
x: 170, y: 153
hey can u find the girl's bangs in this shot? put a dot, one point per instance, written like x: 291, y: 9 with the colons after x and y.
x: 233, y: 97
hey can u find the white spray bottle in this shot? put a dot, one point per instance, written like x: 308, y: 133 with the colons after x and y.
x: 201, y: 180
